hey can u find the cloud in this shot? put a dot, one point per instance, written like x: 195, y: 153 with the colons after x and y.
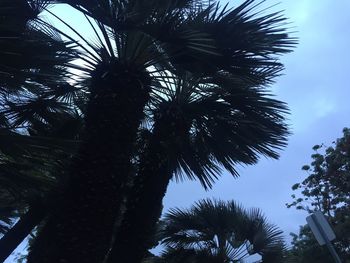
x: 324, y: 106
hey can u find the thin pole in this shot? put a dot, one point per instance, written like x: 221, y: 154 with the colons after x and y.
x: 333, y: 252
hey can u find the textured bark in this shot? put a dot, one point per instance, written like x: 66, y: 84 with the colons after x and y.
x: 144, y: 208
x: 21, y: 230
x: 80, y: 228
x: 135, y: 235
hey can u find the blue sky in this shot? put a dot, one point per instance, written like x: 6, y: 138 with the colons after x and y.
x: 315, y: 86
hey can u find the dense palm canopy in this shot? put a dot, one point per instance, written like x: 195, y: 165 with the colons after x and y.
x: 216, y: 122
x: 165, y: 87
x: 25, y: 77
x: 218, y: 231
x: 31, y: 85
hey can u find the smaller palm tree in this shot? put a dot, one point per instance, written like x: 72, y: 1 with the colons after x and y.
x: 218, y: 231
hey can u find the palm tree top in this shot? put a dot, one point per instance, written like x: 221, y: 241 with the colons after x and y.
x: 216, y: 122
x: 221, y: 230
x: 209, y: 65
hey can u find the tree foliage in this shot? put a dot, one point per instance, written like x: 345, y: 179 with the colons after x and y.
x: 186, y: 81
x: 218, y: 231
x: 326, y: 189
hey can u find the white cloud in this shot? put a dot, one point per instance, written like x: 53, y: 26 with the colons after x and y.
x: 324, y: 106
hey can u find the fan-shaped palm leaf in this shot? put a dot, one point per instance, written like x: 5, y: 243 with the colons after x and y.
x: 220, y: 230
x: 217, y: 121
x: 34, y: 59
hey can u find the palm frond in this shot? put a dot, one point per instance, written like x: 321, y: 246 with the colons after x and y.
x: 30, y: 167
x: 6, y: 218
x: 215, y: 122
x: 218, y: 230
x: 20, y: 47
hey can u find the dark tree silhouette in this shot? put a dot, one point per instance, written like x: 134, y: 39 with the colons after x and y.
x: 326, y: 189
x: 154, y: 62
x: 218, y: 231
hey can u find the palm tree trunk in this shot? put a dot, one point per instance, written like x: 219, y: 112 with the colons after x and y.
x: 135, y: 234
x: 21, y: 230
x: 80, y: 228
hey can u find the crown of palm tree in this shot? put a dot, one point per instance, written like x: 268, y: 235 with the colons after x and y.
x: 242, y: 59
x: 218, y: 230
x: 214, y: 122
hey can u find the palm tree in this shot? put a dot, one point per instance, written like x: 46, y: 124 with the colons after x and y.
x: 28, y: 165
x: 218, y: 231
x: 139, y: 43
x: 180, y: 140
x: 41, y: 103
x: 198, y: 125
x: 112, y: 119
x: 197, y: 128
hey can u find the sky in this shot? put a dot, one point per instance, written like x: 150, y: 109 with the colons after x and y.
x: 316, y: 88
